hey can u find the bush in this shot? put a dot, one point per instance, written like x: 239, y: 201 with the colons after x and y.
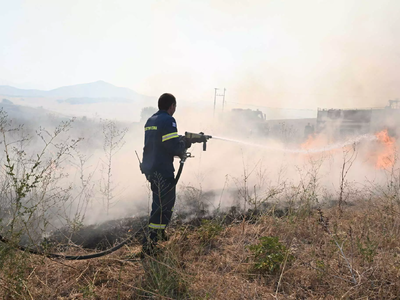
x: 163, y: 277
x: 269, y: 255
x: 209, y: 230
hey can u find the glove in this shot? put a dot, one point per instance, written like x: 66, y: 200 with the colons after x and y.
x: 188, y: 143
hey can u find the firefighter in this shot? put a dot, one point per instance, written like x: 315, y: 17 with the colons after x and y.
x: 161, y: 144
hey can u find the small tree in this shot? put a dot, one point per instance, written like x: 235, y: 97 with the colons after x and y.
x: 113, y: 142
x: 31, y: 187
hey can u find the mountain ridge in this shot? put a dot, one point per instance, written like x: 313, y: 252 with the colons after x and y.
x: 97, y: 89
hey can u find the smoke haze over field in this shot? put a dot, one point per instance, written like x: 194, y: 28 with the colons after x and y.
x: 260, y: 164
x: 292, y: 54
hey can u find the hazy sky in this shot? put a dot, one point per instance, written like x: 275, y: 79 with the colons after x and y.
x: 299, y: 53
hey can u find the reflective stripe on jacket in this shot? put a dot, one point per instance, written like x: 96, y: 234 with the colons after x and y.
x: 161, y: 144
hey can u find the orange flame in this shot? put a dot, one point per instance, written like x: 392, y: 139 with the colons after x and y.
x: 385, y: 158
x: 317, y: 141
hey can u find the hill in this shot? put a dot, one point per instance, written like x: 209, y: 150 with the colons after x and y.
x: 98, y: 89
x: 30, y: 115
x: 7, y: 90
x: 94, y: 92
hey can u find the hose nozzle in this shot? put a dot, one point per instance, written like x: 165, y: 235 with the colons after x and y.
x: 198, y: 138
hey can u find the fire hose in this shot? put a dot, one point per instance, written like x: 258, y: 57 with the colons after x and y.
x: 192, y: 137
x: 69, y: 257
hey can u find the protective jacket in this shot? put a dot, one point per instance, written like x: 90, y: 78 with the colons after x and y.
x: 161, y: 144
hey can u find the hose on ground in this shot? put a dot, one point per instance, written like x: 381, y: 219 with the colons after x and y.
x: 70, y: 257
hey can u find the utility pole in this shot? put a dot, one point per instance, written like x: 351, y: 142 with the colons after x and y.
x: 215, y: 99
x: 218, y: 93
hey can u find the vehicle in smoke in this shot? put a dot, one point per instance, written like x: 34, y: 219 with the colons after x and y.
x: 253, y: 124
x: 339, y: 123
x: 246, y: 122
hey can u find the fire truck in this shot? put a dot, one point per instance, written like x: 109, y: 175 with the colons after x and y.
x: 246, y: 122
x: 339, y: 123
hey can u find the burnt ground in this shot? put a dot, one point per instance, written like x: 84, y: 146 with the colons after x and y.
x: 106, y: 235
x: 98, y: 236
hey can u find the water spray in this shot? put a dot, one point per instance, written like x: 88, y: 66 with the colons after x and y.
x: 355, y: 140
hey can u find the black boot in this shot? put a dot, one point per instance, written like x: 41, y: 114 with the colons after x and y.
x: 150, y: 243
x: 162, y: 236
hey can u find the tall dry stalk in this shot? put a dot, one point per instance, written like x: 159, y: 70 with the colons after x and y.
x: 349, y: 156
x: 113, y: 142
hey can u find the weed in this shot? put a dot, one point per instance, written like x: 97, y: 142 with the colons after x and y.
x: 163, y: 276
x: 14, y: 267
x: 269, y: 255
x: 321, y: 268
x: 88, y: 291
x: 367, y: 249
x: 209, y: 230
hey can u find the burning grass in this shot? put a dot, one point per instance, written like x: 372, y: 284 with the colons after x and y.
x: 349, y: 254
x: 385, y: 158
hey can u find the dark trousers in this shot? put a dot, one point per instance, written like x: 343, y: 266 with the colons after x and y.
x: 164, y: 194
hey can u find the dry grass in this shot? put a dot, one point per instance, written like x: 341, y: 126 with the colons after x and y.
x: 196, y: 265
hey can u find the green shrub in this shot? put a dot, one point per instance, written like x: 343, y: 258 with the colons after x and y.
x: 209, y: 230
x: 269, y: 255
x: 164, y: 277
x: 367, y: 249
x: 14, y: 269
